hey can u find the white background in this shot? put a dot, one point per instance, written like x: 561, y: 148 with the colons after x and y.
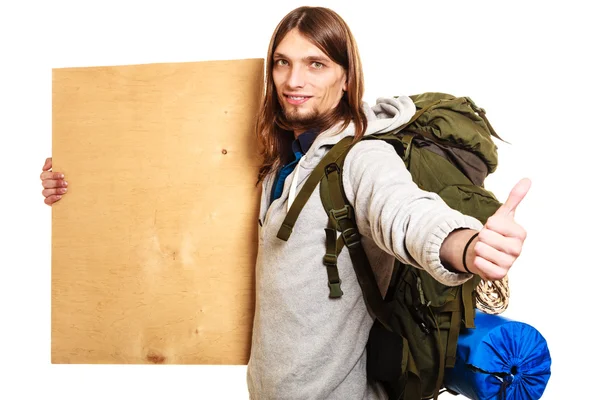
x: 532, y: 66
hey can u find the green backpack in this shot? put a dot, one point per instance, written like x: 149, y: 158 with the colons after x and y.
x: 448, y: 149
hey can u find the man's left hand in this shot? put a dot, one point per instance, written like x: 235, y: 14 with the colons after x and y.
x: 500, y: 241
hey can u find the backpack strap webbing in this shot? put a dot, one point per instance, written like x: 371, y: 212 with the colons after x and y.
x: 334, y: 245
x: 330, y: 261
x: 466, y: 304
x: 468, y: 299
x: 285, y: 231
x: 342, y: 214
x: 327, y: 205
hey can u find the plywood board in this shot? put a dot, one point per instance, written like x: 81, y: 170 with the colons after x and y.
x: 154, y: 246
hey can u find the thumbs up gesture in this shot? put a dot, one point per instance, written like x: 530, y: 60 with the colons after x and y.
x: 500, y: 241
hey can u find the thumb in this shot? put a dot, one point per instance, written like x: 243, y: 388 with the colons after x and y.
x: 516, y: 195
x: 47, y: 164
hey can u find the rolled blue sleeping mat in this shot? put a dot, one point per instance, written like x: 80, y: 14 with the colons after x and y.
x: 500, y: 359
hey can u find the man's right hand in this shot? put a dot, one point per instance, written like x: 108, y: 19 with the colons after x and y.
x: 54, y: 183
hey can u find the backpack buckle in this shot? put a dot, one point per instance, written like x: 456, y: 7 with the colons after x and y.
x: 330, y: 260
x: 334, y: 282
x: 335, y: 289
x: 351, y: 237
x: 340, y: 213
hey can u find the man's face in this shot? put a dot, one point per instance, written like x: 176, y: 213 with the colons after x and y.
x: 308, y: 83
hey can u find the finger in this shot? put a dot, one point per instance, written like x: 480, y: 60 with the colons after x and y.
x: 506, y: 244
x: 50, y: 192
x: 505, y: 226
x: 52, y: 199
x: 489, y: 271
x: 51, y: 175
x: 493, y: 255
x: 516, y: 196
x: 54, y: 183
x: 48, y: 164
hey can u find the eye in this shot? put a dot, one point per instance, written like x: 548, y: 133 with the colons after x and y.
x: 281, y: 62
x: 317, y: 65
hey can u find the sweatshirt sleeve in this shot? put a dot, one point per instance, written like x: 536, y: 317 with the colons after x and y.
x: 400, y: 218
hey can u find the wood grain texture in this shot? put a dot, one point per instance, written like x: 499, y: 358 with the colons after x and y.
x: 154, y: 246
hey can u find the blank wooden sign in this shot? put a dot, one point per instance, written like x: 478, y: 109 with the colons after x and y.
x: 154, y: 246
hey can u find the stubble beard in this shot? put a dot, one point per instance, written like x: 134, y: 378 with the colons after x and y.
x: 301, y: 120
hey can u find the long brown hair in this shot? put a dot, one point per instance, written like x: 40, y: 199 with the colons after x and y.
x: 330, y: 33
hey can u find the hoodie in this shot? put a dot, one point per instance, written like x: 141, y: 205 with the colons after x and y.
x: 306, y: 345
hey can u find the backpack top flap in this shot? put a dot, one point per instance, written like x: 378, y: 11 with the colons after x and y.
x: 456, y: 120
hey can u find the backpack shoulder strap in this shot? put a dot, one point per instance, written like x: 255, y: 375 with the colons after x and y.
x: 287, y: 227
x: 342, y: 215
x: 342, y: 218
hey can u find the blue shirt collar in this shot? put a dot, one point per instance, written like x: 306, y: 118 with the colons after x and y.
x: 304, y: 141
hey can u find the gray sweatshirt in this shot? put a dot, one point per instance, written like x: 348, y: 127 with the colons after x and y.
x: 304, y: 344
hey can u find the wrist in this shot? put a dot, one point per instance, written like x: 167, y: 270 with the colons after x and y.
x: 453, y: 248
x: 468, y: 256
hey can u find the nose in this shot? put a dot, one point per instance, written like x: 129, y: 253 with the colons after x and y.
x: 296, y: 78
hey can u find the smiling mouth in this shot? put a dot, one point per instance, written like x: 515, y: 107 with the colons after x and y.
x: 295, y: 100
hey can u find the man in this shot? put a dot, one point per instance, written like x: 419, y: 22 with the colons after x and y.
x: 306, y: 345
